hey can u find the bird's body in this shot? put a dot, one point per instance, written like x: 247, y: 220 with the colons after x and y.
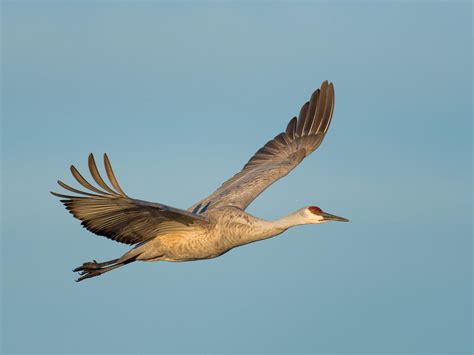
x: 228, y: 227
x: 214, y: 225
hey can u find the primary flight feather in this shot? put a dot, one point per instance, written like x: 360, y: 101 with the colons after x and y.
x: 213, y: 225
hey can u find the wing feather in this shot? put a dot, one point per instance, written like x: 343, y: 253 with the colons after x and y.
x: 96, y: 175
x: 72, y: 189
x: 290, y: 129
x: 80, y: 179
x: 302, y: 119
x: 278, y: 156
x: 111, y: 176
x: 118, y: 217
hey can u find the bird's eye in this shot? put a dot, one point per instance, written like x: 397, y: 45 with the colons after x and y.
x: 314, y: 209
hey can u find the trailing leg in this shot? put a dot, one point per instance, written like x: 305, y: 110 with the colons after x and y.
x: 93, y: 268
x: 94, y: 265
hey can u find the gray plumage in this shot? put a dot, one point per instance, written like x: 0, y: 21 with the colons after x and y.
x: 213, y: 225
x: 280, y: 155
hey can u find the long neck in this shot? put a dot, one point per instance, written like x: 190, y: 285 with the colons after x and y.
x: 264, y: 229
x: 288, y: 221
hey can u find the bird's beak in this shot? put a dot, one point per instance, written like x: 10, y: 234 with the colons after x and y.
x: 331, y: 217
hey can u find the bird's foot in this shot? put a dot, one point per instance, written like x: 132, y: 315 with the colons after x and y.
x: 88, y: 266
x: 93, y: 268
x: 86, y: 274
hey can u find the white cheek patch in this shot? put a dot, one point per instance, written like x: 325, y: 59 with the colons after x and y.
x: 315, y: 217
x: 320, y: 219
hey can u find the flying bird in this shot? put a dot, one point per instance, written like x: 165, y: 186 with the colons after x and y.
x: 217, y: 223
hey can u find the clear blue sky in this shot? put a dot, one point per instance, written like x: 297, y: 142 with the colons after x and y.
x: 180, y: 95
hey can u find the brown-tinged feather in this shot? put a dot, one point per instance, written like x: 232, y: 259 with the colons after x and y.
x: 280, y: 155
x: 311, y: 111
x: 72, y: 189
x: 290, y: 129
x: 302, y: 119
x: 325, y: 116
x: 65, y: 196
x: 119, y: 217
x: 84, y: 182
x: 96, y: 175
x: 111, y: 176
x: 319, y: 112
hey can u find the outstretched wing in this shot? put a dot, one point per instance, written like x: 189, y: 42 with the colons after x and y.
x: 111, y: 213
x: 279, y: 156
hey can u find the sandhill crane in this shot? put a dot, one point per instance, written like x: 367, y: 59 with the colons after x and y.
x: 217, y: 223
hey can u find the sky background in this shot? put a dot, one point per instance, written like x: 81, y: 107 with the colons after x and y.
x: 180, y: 95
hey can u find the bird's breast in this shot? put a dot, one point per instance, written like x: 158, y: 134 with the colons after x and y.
x: 188, y: 246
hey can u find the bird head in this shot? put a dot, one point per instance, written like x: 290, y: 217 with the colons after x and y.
x: 316, y: 215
